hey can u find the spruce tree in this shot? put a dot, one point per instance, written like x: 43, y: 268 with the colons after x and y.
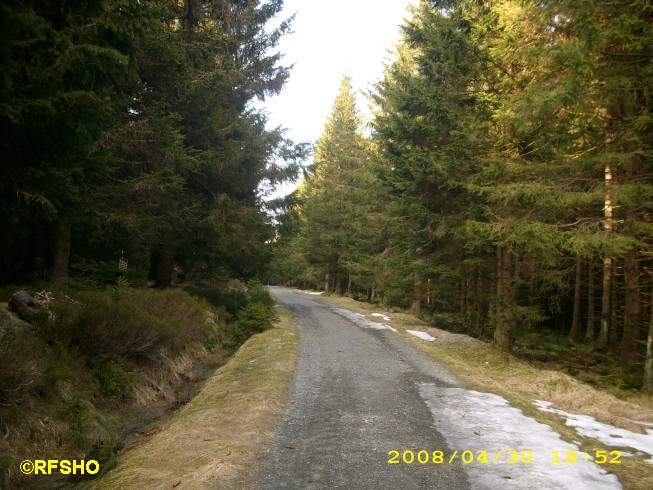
x: 335, y: 201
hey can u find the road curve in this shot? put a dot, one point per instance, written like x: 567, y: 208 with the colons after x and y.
x: 355, y: 399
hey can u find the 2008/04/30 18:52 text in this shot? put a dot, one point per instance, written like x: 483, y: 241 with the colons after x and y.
x: 509, y: 456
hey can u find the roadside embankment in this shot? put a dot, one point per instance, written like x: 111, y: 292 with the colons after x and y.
x: 217, y: 439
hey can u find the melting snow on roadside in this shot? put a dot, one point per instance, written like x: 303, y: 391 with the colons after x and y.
x: 474, y: 421
x: 609, y: 435
x: 361, y: 320
x: 316, y: 293
x: 382, y: 316
x: 421, y: 335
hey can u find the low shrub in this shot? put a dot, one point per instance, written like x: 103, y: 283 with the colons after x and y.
x: 131, y: 325
x: 255, y: 317
x: 115, y: 379
x: 257, y: 293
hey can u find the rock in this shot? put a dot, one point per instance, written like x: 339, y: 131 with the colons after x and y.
x: 26, y: 307
x: 23, y: 297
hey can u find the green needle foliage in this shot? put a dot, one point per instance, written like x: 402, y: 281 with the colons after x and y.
x: 337, y: 206
x: 511, y: 157
x: 132, y: 126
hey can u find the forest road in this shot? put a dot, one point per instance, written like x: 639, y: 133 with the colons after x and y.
x: 355, y: 398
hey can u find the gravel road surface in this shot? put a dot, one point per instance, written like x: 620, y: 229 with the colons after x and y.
x: 355, y: 399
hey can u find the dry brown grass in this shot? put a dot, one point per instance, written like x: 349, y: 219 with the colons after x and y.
x: 217, y: 439
x: 481, y: 367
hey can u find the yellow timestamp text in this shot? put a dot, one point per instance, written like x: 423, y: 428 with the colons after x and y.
x: 501, y: 456
x: 598, y: 457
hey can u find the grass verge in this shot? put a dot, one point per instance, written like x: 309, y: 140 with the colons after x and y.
x: 217, y: 439
x: 481, y: 367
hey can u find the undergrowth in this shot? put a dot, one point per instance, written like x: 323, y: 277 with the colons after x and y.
x: 65, y: 375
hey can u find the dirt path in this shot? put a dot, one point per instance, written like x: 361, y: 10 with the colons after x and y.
x: 355, y: 399
x: 361, y: 391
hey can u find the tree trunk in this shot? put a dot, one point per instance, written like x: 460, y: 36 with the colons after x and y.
x: 505, y: 296
x: 500, y: 273
x: 338, y: 281
x: 463, y: 293
x: 591, y: 301
x: 349, y: 284
x: 648, y: 363
x: 190, y: 17
x: 165, y: 267
x: 615, y: 324
x: 630, y: 352
x: 575, y: 332
x: 327, y: 282
x: 607, y: 260
x: 416, y: 306
x: 605, y: 302
x: 534, y: 282
x: 61, y: 256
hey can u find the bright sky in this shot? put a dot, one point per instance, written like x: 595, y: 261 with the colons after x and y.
x: 332, y: 37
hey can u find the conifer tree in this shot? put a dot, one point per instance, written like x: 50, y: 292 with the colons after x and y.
x: 429, y: 127
x: 134, y: 122
x: 335, y: 201
x: 67, y: 73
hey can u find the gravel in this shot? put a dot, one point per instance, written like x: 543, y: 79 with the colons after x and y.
x: 355, y: 398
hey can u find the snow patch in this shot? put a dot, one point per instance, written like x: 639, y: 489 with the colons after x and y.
x: 607, y: 434
x: 421, y: 335
x: 317, y: 293
x: 475, y: 421
x: 362, y: 320
x: 382, y: 316
x: 638, y: 422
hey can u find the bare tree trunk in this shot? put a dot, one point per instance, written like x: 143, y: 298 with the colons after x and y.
x: 575, y: 332
x: 165, y: 267
x: 504, y: 321
x: 615, y: 324
x: 607, y: 260
x: 534, y: 282
x: 591, y: 298
x: 339, y: 282
x: 630, y: 350
x: 500, y: 273
x: 349, y: 284
x: 327, y: 282
x: 416, y: 306
x: 190, y: 17
x: 464, y: 283
x: 605, y: 302
x: 61, y: 256
x: 648, y: 363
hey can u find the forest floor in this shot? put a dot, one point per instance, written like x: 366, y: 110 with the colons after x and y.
x: 481, y: 367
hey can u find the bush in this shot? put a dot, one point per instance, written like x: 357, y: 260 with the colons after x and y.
x: 257, y: 293
x: 115, y: 379
x: 133, y: 324
x: 255, y: 317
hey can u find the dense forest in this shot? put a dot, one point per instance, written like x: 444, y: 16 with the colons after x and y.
x: 505, y: 181
x: 135, y: 152
x: 134, y: 130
